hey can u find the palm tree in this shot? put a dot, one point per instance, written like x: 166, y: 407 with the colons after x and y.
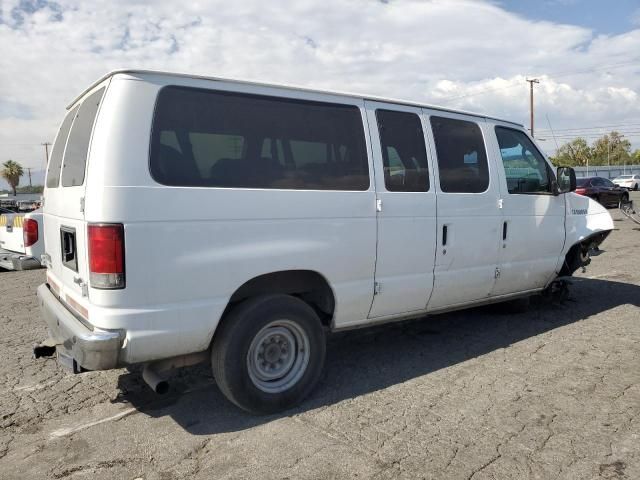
x: 11, y: 172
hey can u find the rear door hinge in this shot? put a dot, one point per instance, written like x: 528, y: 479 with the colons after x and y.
x: 500, y: 203
x: 378, y: 205
x: 84, y: 288
x: 82, y: 204
x: 497, y: 273
x: 377, y: 288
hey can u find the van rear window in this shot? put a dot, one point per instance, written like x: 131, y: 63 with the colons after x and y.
x: 75, y: 155
x: 225, y: 139
x: 55, y: 161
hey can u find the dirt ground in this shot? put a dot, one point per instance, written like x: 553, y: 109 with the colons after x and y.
x: 550, y: 393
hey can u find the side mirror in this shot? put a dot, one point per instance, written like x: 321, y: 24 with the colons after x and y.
x: 566, y: 179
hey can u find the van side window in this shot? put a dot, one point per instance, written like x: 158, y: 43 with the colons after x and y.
x: 75, y: 155
x: 404, y: 154
x: 524, y: 166
x: 462, y: 158
x: 225, y: 139
x: 55, y: 162
x: 209, y: 148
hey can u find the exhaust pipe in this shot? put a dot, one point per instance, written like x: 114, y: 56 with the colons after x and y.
x: 156, y: 382
x: 155, y: 373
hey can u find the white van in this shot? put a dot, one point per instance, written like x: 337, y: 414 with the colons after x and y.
x: 190, y: 218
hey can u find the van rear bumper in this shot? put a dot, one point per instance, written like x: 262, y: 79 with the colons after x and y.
x: 89, y: 347
x: 17, y: 261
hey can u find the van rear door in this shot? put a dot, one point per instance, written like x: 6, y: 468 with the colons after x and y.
x: 64, y: 222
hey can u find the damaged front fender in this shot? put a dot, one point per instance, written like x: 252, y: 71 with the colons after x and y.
x: 587, y: 225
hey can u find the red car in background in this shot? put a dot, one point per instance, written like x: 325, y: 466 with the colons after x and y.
x: 602, y: 190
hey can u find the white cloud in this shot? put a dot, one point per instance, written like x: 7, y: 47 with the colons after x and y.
x: 421, y: 50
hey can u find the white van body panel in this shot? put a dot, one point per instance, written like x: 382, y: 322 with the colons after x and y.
x: 64, y: 208
x: 188, y: 249
x: 406, y: 234
x: 195, y: 246
x: 535, y: 231
x: 465, y: 266
x: 585, y: 217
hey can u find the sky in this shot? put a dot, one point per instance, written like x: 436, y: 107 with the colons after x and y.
x: 467, y: 54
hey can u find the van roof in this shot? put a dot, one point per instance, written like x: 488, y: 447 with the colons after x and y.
x: 287, y: 87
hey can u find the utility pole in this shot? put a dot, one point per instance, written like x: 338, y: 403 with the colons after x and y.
x: 29, y: 169
x: 46, y: 154
x: 531, y: 82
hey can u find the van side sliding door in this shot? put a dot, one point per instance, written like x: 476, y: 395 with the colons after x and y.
x: 468, y: 215
x: 406, y: 210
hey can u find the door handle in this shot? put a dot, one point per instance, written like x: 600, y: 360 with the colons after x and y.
x: 444, y: 235
x: 504, y: 230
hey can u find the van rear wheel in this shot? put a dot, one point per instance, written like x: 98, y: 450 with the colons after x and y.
x: 268, y: 353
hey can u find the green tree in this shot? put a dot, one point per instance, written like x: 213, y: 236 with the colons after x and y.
x: 11, y: 172
x: 612, y: 149
x: 575, y: 153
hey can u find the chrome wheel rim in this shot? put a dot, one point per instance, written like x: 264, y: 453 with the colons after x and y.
x: 278, y: 356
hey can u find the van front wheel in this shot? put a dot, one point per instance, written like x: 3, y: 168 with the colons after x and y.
x: 268, y: 353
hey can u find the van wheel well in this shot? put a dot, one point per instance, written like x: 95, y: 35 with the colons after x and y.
x: 309, y: 286
x: 579, y: 255
x: 574, y: 259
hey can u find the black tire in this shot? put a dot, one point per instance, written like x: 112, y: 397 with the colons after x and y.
x: 233, y: 340
x: 623, y: 199
x: 635, y: 188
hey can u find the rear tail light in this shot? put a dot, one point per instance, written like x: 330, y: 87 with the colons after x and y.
x: 581, y: 191
x: 30, y: 231
x: 106, y: 256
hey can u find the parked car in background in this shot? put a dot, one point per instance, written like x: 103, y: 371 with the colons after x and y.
x: 21, y: 239
x: 602, y: 190
x: 630, y: 182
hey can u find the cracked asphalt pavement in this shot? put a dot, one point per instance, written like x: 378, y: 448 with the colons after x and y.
x: 552, y: 392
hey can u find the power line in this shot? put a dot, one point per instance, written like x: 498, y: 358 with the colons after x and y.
x: 600, y: 127
x: 595, y: 69
x: 591, y: 137
x: 596, y: 133
x: 482, y: 92
x: 516, y: 83
x: 555, y: 139
x: 588, y: 134
x: 20, y: 144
